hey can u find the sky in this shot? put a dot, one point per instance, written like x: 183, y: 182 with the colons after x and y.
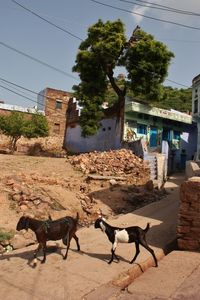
x: 35, y: 54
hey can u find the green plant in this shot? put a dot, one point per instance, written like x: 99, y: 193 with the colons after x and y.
x: 17, y: 125
x: 6, y: 235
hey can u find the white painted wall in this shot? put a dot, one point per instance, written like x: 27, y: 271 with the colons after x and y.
x: 10, y: 107
x: 107, y: 138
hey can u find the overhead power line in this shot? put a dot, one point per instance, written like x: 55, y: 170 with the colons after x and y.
x: 37, y: 60
x: 47, y: 21
x: 145, y: 16
x: 161, y: 7
x: 23, y: 88
x: 16, y: 93
x: 26, y: 97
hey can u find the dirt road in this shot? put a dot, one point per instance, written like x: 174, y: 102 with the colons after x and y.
x: 88, y: 270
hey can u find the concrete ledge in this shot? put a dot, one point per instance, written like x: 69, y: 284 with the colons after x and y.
x: 122, y: 281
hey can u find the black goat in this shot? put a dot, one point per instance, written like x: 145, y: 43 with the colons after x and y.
x: 64, y: 228
x: 125, y: 235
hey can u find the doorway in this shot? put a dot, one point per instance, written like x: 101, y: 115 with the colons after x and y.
x: 153, y: 136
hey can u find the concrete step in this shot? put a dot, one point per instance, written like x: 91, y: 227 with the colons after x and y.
x: 177, y: 277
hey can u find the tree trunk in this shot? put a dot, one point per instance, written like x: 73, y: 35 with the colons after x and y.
x: 13, y: 146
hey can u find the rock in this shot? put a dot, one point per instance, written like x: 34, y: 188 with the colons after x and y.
x: 113, y: 182
x: 16, y: 197
x: 18, y: 241
x: 149, y: 186
x: 23, y: 207
x: 2, y: 249
x: 112, y: 163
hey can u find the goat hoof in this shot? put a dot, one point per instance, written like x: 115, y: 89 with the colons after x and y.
x: 43, y: 261
x: 64, y: 258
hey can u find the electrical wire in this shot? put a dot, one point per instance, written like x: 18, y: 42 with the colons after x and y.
x: 145, y: 16
x: 47, y: 21
x: 37, y: 60
x: 28, y: 98
x: 161, y: 7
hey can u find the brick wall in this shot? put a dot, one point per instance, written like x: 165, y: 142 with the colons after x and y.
x: 56, y: 104
x: 189, y: 215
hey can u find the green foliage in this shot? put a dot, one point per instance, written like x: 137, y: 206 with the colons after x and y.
x: 105, y: 49
x: 147, y: 63
x: 36, y: 127
x: 12, y: 125
x: 6, y: 235
x: 179, y: 99
x: 16, y: 125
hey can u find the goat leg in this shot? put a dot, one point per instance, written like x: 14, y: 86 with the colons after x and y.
x: 36, y: 252
x: 137, y: 252
x: 44, y: 253
x: 145, y: 245
x: 77, y: 241
x: 113, y: 253
x: 66, y: 241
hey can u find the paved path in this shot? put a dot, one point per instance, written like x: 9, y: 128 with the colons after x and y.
x: 177, y: 278
x: 88, y: 271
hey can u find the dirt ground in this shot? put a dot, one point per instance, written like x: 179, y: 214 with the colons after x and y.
x: 43, y: 186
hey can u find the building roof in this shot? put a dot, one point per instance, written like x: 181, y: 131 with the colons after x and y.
x: 158, y: 112
x: 10, y: 107
x: 196, y: 79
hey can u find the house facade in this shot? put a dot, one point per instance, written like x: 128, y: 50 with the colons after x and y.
x: 108, y: 136
x: 54, y: 103
x: 155, y: 126
x: 196, y: 109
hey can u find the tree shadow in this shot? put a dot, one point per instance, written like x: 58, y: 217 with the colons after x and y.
x: 126, y: 197
x: 156, y: 235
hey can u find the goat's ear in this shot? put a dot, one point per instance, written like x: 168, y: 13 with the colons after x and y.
x: 100, y: 214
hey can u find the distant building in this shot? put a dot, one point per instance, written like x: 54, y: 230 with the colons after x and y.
x: 54, y: 103
x: 6, y: 109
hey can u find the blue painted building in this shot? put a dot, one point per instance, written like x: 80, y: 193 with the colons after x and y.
x: 152, y: 125
x: 155, y: 125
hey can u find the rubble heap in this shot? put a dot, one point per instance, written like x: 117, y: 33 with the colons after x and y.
x: 112, y: 163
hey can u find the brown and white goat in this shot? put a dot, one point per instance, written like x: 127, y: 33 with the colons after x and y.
x: 63, y: 228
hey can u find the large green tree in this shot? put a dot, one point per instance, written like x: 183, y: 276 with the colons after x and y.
x: 17, y: 125
x: 145, y: 62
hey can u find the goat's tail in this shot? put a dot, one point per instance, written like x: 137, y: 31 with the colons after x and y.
x: 77, y: 217
x: 147, y: 227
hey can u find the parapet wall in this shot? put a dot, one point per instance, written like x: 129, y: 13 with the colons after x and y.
x: 189, y: 215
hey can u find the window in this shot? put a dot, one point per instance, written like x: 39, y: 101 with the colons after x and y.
x: 141, y: 129
x: 177, y: 135
x: 58, y: 104
x: 56, y: 128
x: 166, y: 134
x: 195, y: 106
